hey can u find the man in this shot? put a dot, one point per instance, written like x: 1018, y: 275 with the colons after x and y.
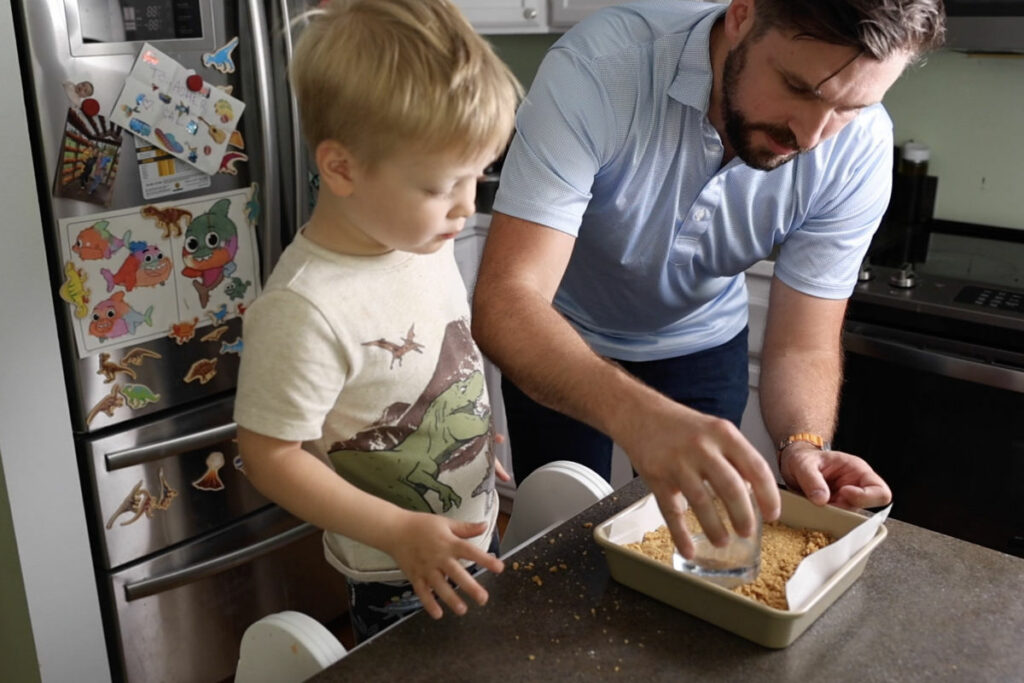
x: 664, y: 148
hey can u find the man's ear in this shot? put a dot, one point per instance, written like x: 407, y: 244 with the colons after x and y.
x: 338, y: 167
x: 739, y: 19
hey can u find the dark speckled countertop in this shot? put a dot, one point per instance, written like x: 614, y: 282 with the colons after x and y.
x: 928, y: 606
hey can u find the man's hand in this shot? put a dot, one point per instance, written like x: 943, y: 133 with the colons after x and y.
x: 842, y: 479
x: 676, y: 449
x: 428, y: 549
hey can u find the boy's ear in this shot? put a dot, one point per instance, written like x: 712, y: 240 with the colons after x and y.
x: 338, y: 167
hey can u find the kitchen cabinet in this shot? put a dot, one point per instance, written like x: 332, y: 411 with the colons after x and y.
x: 506, y: 16
x: 759, y: 278
x: 564, y: 13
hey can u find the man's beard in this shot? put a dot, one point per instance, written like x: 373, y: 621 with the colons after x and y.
x: 738, y: 129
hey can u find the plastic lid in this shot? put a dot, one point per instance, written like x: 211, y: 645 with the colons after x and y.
x: 916, y: 152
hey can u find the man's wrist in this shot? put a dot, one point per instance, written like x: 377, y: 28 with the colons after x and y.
x: 816, y: 440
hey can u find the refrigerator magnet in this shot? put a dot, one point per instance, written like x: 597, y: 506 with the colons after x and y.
x: 168, y: 219
x: 211, y: 481
x: 214, y: 334
x: 108, y: 404
x: 158, y: 103
x: 161, y: 174
x: 229, y: 163
x: 89, y: 152
x: 220, y: 59
x: 252, y: 205
x: 234, y: 347
x: 157, y: 267
x: 74, y: 290
x: 109, y: 369
x: 138, y: 395
x: 140, y: 501
x: 182, y: 332
x: 77, y: 92
x: 202, y: 371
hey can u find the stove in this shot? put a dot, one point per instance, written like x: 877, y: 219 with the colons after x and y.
x: 933, y: 392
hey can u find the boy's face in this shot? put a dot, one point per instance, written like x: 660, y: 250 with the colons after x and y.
x: 413, y: 201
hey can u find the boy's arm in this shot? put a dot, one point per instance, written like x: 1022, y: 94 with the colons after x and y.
x: 426, y: 547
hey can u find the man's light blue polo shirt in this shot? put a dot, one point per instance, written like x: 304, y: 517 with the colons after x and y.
x: 614, y: 147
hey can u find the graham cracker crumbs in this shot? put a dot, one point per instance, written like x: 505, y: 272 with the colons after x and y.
x: 782, y: 549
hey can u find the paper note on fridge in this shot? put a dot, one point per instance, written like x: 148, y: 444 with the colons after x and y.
x: 134, y: 274
x: 157, y: 105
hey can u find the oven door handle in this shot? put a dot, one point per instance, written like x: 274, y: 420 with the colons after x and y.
x: 196, y: 572
x: 935, y: 362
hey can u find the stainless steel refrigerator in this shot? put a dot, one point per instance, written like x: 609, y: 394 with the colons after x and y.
x: 170, y: 174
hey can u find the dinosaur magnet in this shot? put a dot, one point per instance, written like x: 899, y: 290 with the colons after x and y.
x: 139, y: 354
x: 183, y: 331
x: 108, y: 404
x: 211, y: 481
x: 138, y: 395
x: 236, y: 140
x: 215, y: 334
x: 238, y: 463
x: 167, y: 219
x: 203, y: 370
x: 109, y: 369
x: 141, y: 502
x: 221, y: 59
x: 232, y: 347
x: 219, y: 315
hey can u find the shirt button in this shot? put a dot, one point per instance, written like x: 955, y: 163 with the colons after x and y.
x: 699, y: 214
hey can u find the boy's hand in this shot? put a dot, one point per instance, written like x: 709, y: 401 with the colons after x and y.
x: 428, y: 549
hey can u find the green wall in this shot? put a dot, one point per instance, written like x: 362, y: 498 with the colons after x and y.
x: 969, y: 109
x: 17, y: 649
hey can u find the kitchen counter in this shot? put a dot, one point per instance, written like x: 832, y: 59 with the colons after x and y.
x: 927, y: 606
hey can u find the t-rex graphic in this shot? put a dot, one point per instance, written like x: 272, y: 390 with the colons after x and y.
x: 404, y: 473
x: 397, y: 351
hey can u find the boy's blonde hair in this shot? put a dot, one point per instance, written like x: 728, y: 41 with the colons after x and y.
x: 376, y: 75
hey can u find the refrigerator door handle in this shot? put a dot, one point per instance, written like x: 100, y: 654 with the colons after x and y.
x: 128, y: 457
x: 261, y: 47
x: 196, y: 572
x: 300, y: 181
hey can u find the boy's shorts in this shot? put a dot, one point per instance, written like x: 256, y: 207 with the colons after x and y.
x: 373, y: 606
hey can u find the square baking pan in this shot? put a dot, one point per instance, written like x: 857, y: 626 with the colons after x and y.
x: 739, y: 614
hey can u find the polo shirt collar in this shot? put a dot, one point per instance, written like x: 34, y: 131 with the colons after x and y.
x: 692, y: 84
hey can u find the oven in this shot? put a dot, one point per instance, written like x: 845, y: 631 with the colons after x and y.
x: 933, y: 395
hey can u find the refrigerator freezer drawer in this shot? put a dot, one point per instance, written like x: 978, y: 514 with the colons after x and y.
x: 167, y: 482
x: 181, y: 615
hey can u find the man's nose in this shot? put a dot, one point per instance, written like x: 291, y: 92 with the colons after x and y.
x: 816, y: 122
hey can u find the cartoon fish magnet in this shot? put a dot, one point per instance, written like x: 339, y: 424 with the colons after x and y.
x: 208, y: 252
x: 97, y: 242
x: 145, y: 266
x: 114, y: 317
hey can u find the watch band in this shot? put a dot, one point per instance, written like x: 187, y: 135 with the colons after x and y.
x: 814, y: 439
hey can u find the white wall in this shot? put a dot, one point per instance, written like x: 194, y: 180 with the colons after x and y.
x: 969, y: 109
x: 36, y: 448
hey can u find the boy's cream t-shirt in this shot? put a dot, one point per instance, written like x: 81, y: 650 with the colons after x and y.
x: 369, y: 360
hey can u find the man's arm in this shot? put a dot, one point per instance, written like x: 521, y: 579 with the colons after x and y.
x: 801, y: 372
x: 674, y: 448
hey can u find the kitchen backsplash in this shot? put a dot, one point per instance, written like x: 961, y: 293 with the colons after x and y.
x: 969, y: 109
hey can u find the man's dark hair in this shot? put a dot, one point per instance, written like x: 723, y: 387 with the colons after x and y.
x: 878, y: 28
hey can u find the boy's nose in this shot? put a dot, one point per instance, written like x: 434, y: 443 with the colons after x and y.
x: 465, y: 202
